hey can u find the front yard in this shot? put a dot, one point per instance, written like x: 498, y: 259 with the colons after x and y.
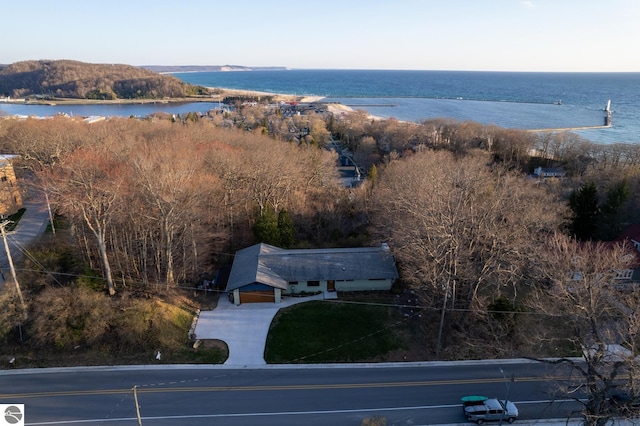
x: 364, y: 330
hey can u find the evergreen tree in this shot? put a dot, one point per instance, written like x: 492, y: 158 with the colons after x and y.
x: 616, y: 197
x: 611, y: 221
x: 266, y: 228
x: 584, y: 204
x: 286, y: 229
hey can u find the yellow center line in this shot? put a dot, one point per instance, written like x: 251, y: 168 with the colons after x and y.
x: 273, y: 388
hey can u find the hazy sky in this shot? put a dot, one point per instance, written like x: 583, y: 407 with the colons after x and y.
x: 502, y: 35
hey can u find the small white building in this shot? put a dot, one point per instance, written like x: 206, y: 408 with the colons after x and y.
x: 549, y: 172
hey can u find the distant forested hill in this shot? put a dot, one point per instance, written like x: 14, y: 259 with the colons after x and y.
x: 73, y: 79
x: 208, y: 68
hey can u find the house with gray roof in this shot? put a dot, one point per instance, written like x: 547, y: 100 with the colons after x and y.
x: 264, y: 273
x: 549, y: 172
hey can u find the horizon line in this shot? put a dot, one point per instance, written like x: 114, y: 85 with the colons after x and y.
x: 282, y: 68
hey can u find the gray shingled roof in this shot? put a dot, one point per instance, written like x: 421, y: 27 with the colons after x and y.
x: 277, y: 267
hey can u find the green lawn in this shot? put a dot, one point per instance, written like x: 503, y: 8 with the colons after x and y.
x: 323, y: 331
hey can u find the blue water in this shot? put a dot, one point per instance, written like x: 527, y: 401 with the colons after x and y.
x: 512, y: 100
x: 520, y: 100
x: 119, y: 110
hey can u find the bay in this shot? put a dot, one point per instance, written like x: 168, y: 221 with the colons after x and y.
x: 105, y: 110
x: 518, y: 100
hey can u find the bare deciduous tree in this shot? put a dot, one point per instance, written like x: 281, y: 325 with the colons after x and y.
x: 461, y: 231
x: 87, y: 184
x: 582, y: 303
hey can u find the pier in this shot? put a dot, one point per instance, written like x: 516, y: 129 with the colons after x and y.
x: 370, y: 105
x: 451, y: 98
x: 608, y: 122
x: 568, y: 129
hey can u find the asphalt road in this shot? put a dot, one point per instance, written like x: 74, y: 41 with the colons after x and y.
x: 32, y: 224
x: 410, y: 394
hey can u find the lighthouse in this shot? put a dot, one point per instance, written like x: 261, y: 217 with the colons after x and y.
x: 608, y: 119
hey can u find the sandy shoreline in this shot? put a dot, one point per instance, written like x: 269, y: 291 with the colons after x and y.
x: 333, y: 108
x: 219, y: 94
x: 278, y: 96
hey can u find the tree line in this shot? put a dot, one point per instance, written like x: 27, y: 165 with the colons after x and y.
x: 157, y: 203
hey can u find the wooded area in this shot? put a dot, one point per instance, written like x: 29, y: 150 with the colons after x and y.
x: 501, y: 264
x: 80, y: 80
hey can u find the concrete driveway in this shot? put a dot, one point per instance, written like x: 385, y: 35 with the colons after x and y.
x: 244, y: 328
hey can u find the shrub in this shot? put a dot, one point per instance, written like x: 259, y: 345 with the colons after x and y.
x: 70, y: 316
x: 11, y: 313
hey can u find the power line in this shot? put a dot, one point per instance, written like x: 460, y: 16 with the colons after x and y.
x: 394, y: 305
x: 32, y: 257
x: 13, y: 271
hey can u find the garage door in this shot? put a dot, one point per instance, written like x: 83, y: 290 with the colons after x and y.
x: 257, y: 296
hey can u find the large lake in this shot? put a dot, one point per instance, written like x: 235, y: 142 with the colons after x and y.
x: 512, y: 100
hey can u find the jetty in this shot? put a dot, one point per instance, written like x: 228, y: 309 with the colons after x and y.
x: 608, y: 122
x: 371, y: 105
x: 567, y: 129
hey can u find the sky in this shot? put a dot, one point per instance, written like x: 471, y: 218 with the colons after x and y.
x: 479, y: 35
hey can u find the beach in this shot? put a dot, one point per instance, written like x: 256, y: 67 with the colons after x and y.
x: 218, y: 95
x: 333, y: 108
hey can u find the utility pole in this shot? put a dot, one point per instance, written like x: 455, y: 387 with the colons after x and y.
x: 53, y: 228
x: 13, y: 270
x: 135, y: 398
x: 506, y: 400
x: 444, y: 308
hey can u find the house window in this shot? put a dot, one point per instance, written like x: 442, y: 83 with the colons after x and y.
x: 293, y: 282
x: 313, y: 283
x: 624, y: 275
x: 4, y: 178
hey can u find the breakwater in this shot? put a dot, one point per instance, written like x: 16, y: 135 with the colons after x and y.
x: 371, y: 105
x: 446, y: 98
x: 608, y: 122
x: 567, y: 129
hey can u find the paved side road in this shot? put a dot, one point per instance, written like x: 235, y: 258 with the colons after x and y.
x: 32, y: 224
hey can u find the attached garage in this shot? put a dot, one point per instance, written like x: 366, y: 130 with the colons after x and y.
x: 257, y: 296
x: 252, y: 282
x: 256, y: 293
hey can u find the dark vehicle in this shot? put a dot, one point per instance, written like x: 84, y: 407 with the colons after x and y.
x: 480, y: 409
